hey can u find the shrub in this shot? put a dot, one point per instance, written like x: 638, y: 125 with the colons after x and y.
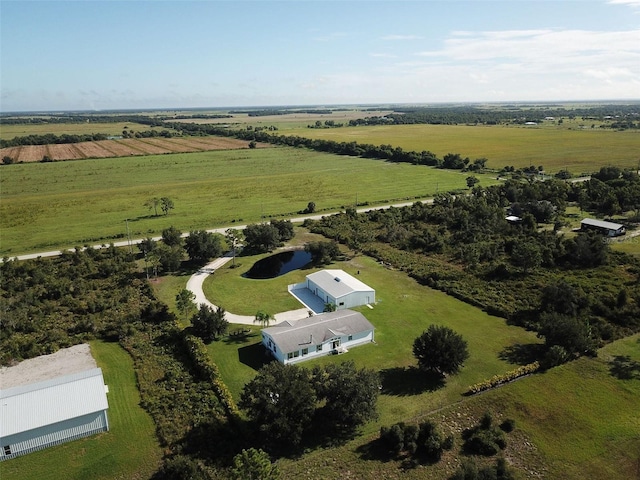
x: 508, y: 425
x: 498, y: 380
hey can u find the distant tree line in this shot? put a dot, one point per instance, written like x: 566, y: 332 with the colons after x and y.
x: 38, y: 119
x: 267, y: 112
x: 381, y: 152
x: 623, y: 116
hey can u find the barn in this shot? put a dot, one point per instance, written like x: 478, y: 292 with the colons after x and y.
x: 335, y: 287
x: 608, y: 229
x: 52, y: 411
x: 318, y: 335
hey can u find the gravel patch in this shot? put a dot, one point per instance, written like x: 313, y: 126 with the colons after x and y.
x: 64, y: 362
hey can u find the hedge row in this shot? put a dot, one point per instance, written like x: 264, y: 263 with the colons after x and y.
x: 209, y: 371
x: 498, y: 380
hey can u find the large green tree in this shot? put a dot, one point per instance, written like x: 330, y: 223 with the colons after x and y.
x: 261, y: 237
x: 439, y: 349
x: 209, y: 324
x: 350, y: 395
x: 280, y: 401
x: 202, y: 246
x: 172, y: 237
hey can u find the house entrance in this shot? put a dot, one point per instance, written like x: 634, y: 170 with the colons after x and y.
x: 335, y: 344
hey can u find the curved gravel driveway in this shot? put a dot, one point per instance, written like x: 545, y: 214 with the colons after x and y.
x: 194, y: 285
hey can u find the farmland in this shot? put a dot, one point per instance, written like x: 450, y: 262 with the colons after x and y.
x: 578, y: 150
x: 121, y: 147
x: 87, y: 201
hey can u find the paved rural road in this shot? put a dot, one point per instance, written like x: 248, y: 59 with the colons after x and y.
x: 125, y: 243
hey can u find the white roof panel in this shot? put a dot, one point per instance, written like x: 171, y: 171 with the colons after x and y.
x: 317, y: 329
x: 338, y: 283
x: 602, y: 224
x: 35, y: 405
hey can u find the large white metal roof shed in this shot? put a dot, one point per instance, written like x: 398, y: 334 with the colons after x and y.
x: 340, y: 288
x: 52, y: 411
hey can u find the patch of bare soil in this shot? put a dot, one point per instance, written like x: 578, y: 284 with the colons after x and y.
x: 124, y: 148
x: 64, y: 362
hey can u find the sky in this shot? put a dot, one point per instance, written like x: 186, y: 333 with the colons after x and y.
x: 136, y: 54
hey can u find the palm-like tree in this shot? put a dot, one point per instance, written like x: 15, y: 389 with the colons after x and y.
x: 262, y: 318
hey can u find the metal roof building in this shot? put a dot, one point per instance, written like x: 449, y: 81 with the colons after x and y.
x: 336, y: 287
x: 333, y: 332
x: 50, y: 412
x: 609, y: 229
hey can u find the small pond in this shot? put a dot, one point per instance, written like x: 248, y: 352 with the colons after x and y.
x: 278, y: 264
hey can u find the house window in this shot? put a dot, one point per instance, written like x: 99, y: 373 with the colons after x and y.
x: 350, y: 337
x: 319, y: 348
x: 289, y: 356
x: 7, y: 449
x: 305, y: 351
x: 342, y: 304
x: 296, y: 354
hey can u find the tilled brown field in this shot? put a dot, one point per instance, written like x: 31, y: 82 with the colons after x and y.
x: 123, y: 148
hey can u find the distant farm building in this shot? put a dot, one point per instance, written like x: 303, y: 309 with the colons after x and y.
x: 312, y: 337
x: 608, y: 229
x: 49, y: 412
x: 334, y: 287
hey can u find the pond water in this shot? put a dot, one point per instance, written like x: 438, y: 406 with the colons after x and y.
x: 278, y: 264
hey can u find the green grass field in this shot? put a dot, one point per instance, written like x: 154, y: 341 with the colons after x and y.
x: 129, y: 450
x: 573, y: 422
x: 578, y: 150
x: 52, y: 205
x: 7, y: 132
x: 404, y: 310
x: 576, y: 421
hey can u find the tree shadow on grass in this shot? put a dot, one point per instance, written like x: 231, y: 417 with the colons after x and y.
x: 624, y: 368
x: 409, y: 381
x: 375, y: 450
x: 240, y: 336
x: 522, y: 354
x: 254, y: 356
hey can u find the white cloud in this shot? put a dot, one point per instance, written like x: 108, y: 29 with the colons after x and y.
x: 630, y: 3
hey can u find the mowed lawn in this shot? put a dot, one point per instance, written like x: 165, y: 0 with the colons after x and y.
x: 404, y: 310
x: 65, y: 204
x: 578, y: 150
x: 130, y: 449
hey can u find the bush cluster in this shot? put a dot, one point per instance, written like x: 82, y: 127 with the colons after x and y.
x: 485, y: 438
x: 498, y: 380
x: 422, y: 441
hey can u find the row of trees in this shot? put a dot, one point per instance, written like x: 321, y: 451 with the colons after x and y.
x: 382, y: 152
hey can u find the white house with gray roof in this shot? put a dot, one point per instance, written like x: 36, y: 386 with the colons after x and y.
x: 53, y: 411
x: 325, y: 334
x: 332, y: 286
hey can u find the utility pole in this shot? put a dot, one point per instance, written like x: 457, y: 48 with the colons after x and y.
x: 128, y: 235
